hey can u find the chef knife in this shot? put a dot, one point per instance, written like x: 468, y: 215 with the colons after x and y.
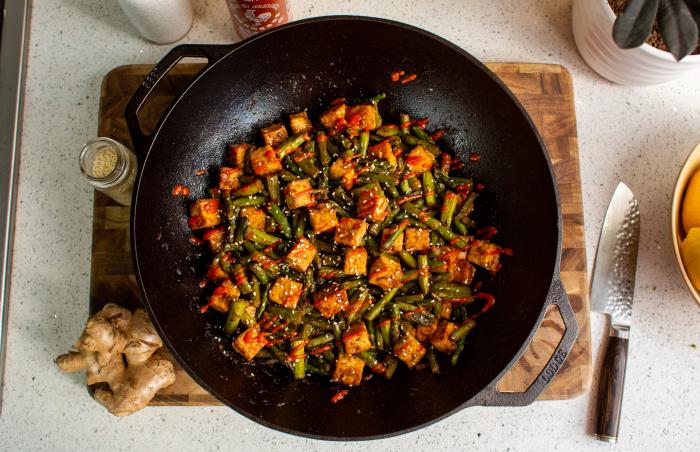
x: 612, y: 293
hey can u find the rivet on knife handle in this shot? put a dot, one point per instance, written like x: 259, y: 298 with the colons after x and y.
x: 611, y: 387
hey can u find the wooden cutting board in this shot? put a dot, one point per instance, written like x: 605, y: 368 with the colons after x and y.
x: 545, y: 90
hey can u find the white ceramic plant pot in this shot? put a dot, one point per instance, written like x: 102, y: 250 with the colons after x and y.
x: 646, y: 65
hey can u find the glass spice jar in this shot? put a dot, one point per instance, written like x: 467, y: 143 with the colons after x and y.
x: 253, y: 16
x: 110, y: 167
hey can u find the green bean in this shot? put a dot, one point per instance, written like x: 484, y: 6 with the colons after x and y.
x: 432, y: 359
x: 235, y: 313
x: 322, y: 144
x: 241, y: 280
x: 408, y: 259
x: 364, y: 143
x: 381, y: 304
x: 462, y: 331
x: 297, y: 351
x: 409, y: 299
x: 448, y: 208
x: 371, y: 332
x: 405, y: 119
x: 288, y: 176
x: 307, y: 164
x: 371, y: 245
x: 392, y: 365
x: 255, y: 296
x: 280, y: 356
x: 458, y: 351
x: 281, y: 219
x: 260, y: 273
x: 319, y: 324
x: 273, y: 187
x: 322, y: 339
x: 293, y: 167
x: 385, y: 331
x: 263, y: 302
x: 405, y: 187
x: 260, y: 237
x: 290, y: 144
x: 423, y: 274
x: 338, y: 336
x: 394, y: 235
x: 432, y: 223
x: 395, y: 324
x: 331, y: 273
x: 419, y: 317
x: 241, y: 229
x: 293, y: 316
x: 422, y: 134
x: 467, y: 207
x: 317, y: 370
x: 300, y: 227
x: 370, y: 359
x: 388, y: 130
x: 250, y: 189
x: 429, y: 189
x: 343, y: 141
x: 256, y: 200
x: 454, y: 182
x: 461, y: 227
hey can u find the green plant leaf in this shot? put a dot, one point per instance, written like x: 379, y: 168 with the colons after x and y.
x: 678, y: 27
x: 634, y: 24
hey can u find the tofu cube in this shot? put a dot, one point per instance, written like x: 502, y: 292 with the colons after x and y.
x: 395, y: 247
x: 332, y: 115
x: 237, y: 154
x: 204, y: 213
x: 331, y: 300
x: 420, y: 160
x: 350, y: 232
x: 356, y: 339
x: 462, y: 272
x: 446, y: 311
x: 484, y: 254
x: 372, y: 205
x: 348, y: 370
x: 286, y: 292
x: 364, y: 116
x: 215, y: 239
x: 423, y: 332
x: 383, y: 150
x: 228, y: 178
x: 441, y: 338
x: 265, y: 161
x: 416, y: 239
x: 349, y: 179
x: 215, y: 273
x: 298, y: 194
x: 409, y: 350
x: 250, y: 342
x: 274, y: 134
x: 323, y: 217
x: 385, y: 273
x: 223, y: 296
x: 300, y: 123
x: 355, y: 261
x: 255, y: 216
x: 301, y: 255
x: 340, y: 167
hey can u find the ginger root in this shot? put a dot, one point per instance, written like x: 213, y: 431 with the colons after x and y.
x: 117, y: 348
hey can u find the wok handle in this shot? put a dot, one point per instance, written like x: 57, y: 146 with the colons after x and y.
x: 212, y: 53
x: 491, y: 396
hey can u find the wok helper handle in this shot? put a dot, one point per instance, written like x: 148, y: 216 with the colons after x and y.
x: 611, y: 386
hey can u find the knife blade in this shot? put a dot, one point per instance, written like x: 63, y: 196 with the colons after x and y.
x: 612, y: 293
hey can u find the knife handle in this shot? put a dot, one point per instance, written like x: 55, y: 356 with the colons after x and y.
x: 611, y: 386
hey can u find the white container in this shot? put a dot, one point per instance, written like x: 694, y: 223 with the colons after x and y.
x: 160, y: 21
x: 592, y: 24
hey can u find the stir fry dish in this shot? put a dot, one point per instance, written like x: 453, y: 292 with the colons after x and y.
x: 346, y: 247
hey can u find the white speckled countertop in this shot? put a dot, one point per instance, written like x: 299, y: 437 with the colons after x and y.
x: 639, y: 135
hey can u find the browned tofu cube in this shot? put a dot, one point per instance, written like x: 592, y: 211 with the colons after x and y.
x: 323, y: 217
x: 223, y: 295
x: 416, y: 239
x: 301, y: 255
x: 255, y: 216
x: 441, y: 338
x: 373, y: 206
x: 484, y: 254
x: 274, y: 134
x: 423, y: 332
x: 349, y: 179
x: 409, y: 350
x: 340, y: 167
x: 385, y: 273
x: 215, y: 273
x: 250, y: 342
x: 355, y: 261
x: 237, y: 154
x: 298, y: 194
x: 350, y: 232
x: 204, y: 213
x: 228, y: 178
x: 215, y: 239
x: 383, y: 150
x: 462, y: 272
x: 356, y: 339
x: 364, y: 116
x: 331, y: 300
x: 265, y: 161
x: 286, y: 292
x: 446, y: 311
x: 332, y: 115
x: 248, y: 317
x: 300, y: 123
x: 348, y: 370
x: 419, y: 160
x: 395, y: 247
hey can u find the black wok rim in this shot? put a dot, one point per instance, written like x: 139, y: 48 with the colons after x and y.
x: 409, y: 28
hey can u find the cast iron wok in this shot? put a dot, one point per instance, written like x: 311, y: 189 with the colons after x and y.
x: 251, y: 84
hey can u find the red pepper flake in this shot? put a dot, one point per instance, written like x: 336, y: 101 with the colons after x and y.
x: 196, y: 241
x: 321, y: 137
x: 463, y: 188
x: 474, y: 157
x: 408, y: 79
x: 200, y: 172
x: 421, y: 122
x: 406, y: 125
x: 338, y: 396
x: 438, y: 134
x: 384, y: 322
x: 459, y: 164
x: 321, y: 349
x: 337, y: 101
x: 202, y: 284
x: 395, y: 76
x: 181, y: 190
x: 479, y: 186
x: 486, y: 233
x: 378, y: 368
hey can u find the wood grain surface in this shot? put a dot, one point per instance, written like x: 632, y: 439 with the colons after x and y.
x: 545, y: 90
